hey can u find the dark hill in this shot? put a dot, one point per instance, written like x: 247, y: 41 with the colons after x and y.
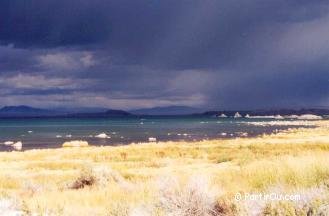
x: 169, y: 110
x: 24, y: 111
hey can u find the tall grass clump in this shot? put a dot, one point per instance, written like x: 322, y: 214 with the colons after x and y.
x: 302, y: 171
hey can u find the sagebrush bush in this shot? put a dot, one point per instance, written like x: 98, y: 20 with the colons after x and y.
x: 140, y: 211
x: 97, y: 176
x: 86, y: 178
x: 196, y: 198
x: 323, y: 209
x: 9, y: 207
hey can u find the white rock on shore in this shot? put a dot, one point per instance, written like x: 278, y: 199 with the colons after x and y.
x: 263, y: 117
x: 8, y: 143
x: 291, y: 116
x: 75, y: 143
x: 309, y: 117
x: 152, y: 139
x: 18, y: 145
x: 278, y: 117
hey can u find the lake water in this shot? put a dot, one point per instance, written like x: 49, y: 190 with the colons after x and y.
x: 52, y: 132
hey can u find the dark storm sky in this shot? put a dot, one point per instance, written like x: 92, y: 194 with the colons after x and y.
x: 132, y: 54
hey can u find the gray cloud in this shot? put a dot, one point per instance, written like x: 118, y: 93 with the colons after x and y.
x: 129, y: 54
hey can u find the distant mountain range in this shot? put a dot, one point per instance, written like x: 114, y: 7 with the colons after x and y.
x: 80, y: 109
x: 168, y: 110
x: 26, y: 111
x: 108, y: 113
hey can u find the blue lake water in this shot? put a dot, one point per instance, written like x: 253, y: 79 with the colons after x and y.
x: 52, y: 132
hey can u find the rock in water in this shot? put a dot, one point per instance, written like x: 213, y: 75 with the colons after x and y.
x: 103, y: 136
x: 237, y: 115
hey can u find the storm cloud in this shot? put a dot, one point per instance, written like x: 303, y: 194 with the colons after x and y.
x: 132, y: 54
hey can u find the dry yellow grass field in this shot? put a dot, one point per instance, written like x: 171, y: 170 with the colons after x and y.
x: 167, y: 178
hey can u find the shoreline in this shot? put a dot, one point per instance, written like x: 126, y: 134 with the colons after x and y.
x: 301, y: 125
x: 54, y: 134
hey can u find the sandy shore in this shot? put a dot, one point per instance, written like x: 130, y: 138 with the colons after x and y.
x: 141, y: 179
